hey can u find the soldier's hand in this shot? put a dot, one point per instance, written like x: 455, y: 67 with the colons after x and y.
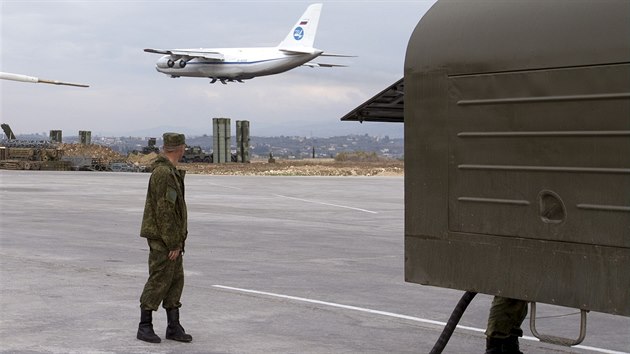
x: 172, y: 255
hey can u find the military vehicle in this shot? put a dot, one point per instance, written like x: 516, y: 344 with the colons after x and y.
x: 150, y: 147
x: 517, y: 132
x: 121, y: 166
x: 196, y: 154
x: 29, y: 154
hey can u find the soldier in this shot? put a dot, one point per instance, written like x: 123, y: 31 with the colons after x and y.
x: 164, y: 225
x: 504, y: 325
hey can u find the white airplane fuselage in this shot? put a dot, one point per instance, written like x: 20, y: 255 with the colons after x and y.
x: 238, y: 63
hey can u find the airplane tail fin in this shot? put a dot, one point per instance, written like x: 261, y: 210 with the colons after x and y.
x: 302, y: 34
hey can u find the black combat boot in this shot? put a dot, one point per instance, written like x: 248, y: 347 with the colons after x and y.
x: 494, y: 345
x: 174, y: 330
x: 145, y: 328
x: 511, y: 345
x: 507, y: 345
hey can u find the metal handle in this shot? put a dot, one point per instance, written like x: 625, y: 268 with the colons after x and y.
x: 558, y: 340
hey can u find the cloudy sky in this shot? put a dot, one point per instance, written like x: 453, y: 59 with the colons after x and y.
x: 101, y: 43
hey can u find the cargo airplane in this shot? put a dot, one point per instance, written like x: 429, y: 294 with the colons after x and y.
x: 237, y: 64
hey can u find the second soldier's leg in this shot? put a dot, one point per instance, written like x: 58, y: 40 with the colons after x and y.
x: 504, y: 325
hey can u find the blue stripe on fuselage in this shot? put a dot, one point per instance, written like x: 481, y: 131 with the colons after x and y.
x: 231, y: 62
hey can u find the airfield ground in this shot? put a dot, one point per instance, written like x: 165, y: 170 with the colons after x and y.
x: 273, y: 265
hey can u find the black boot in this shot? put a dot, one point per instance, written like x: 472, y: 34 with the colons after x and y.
x: 507, y: 345
x: 145, y: 328
x: 175, y: 331
x: 494, y: 345
x: 511, y: 345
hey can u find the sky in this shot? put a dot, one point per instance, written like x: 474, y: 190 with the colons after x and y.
x: 101, y: 43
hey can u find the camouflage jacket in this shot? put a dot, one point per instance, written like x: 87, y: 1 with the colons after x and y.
x: 165, y: 216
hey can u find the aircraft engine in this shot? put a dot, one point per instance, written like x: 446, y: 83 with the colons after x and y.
x: 167, y: 62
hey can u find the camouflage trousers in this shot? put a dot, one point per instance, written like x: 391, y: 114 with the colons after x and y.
x: 506, y: 316
x: 166, y: 279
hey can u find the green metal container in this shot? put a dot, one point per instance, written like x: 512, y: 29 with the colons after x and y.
x: 517, y: 151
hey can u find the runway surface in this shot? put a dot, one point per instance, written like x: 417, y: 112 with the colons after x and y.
x: 273, y: 265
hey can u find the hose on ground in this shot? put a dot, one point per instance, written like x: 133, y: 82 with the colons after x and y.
x: 452, y: 322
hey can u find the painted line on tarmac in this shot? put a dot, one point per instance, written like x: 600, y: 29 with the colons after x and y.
x: 395, y: 315
x: 322, y: 203
x: 224, y: 186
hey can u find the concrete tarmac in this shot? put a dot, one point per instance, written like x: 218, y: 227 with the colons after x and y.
x: 273, y: 265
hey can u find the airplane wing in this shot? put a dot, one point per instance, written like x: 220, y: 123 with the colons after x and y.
x: 323, y: 65
x: 188, y: 53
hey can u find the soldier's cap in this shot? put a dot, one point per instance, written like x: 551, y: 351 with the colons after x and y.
x: 174, y: 139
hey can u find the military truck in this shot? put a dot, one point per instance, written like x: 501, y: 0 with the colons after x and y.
x: 29, y: 154
x: 196, y: 154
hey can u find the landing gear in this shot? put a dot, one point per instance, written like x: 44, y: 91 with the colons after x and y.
x: 224, y: 80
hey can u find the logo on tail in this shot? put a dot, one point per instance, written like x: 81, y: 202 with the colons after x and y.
x: 298, y: 33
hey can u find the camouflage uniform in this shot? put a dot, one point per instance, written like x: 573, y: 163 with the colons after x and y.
x: 504, y: 325
x: 165, y: 226
x: 506, y: 316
